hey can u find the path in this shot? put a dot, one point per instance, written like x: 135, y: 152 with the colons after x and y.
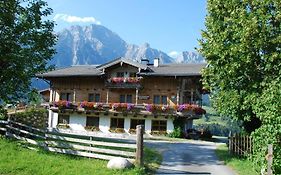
x: 189, y: 158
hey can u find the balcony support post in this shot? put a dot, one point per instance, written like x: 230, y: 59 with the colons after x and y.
x: 137, y: 95
x: 107, y: 95
x: 178, y: 96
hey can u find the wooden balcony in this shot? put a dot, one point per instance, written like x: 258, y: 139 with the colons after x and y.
x: 122, y: 82
x: 185, y: 110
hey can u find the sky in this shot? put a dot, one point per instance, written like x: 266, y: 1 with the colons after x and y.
x: 171, y: 26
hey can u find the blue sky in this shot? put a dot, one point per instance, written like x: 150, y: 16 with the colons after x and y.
x: 170, y: 26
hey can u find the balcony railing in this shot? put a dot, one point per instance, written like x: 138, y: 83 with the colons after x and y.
x: 129, y: 108
x: 122, y: 82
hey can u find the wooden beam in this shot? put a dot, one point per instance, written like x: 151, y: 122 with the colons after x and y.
x: 110, y: 144
x: 81, y: 153
x: 25, y: 132
x: 88, y: 148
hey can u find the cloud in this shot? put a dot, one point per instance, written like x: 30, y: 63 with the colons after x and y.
x: 173, y: 54
x: 73, y: 19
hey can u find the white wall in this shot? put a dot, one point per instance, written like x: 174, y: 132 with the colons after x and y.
x: 77, y: 122
x: 104, y: 124
x: 55, y: 119
x: 148, y: 125
x: 127, y: 124
x: 170, y: 125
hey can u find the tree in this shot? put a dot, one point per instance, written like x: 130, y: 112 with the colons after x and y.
x: 26, y: 45
x: 242, y: 46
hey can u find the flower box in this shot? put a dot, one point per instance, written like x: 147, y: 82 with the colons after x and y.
x: 123, y: 107
x: 132, y: 131
x: 117, y: 130
x: 158, y: 133
x: 92, y: 128
x: 63, y: 126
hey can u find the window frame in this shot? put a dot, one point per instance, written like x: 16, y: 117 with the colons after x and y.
x: 117, y: 123
x: 159, y: 125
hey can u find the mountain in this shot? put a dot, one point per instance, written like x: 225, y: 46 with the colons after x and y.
x: 95, y: 44
x: 189, y: 57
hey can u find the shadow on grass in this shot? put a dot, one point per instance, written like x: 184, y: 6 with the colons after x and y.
x: 152, y: 160
x: 241, y: 165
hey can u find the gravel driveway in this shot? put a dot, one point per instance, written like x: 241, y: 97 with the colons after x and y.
x: 190, y: 157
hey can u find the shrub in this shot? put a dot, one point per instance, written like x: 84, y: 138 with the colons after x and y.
x: 36, y: 117
x: 177, y: 133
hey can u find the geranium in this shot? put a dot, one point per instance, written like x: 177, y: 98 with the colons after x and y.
x: 115, y: 106
x: 165, y: 108
x: 130, y: 106
x: 149, y: 107
x: 191, y: 107
x: 63, y: 104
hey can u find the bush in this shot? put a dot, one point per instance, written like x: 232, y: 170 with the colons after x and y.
x: 33, y: 117
x: 3, y: 113
x: 177, y: 133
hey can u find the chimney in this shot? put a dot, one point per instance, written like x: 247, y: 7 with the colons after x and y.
x: 144, y: 61
x: 156, y: 62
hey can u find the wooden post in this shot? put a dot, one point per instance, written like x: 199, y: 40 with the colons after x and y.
x: 229, y: 143
x: 107, y: 96
x: 139, y: 151
x: 137, y: 96
x: 269, y: 158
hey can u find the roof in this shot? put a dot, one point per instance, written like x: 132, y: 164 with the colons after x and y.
x: 123, y: 60
x: 176, y: 70
x: 97, y: 70
x: 73, y: 71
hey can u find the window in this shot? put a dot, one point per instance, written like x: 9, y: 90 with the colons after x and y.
x: 159, y: 125
x: 120, y: 74
x: 66, y: 96
x: 164, y: 100
x: 128, y: 98
x: 157, y: 100
x: 63, y: 119
x: 135, y: 122
x: 92, y: 121
x: 117, y: 123
x: 94, y: 97
x: 122, y: 99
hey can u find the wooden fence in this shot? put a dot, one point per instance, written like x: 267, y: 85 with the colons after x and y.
x: 240, y: 145
x: 74, y: 144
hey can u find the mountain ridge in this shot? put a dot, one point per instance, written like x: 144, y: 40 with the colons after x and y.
x: 96, y: 44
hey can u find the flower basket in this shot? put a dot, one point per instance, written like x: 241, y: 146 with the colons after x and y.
x: 123, y: 107
x: 132, y: 131
x: 63, y: 104
x: 63, y: 126
x: 158, y: 108
x: 158, y: 133
x: 186, y: 108
x: 92, y: 128
x: 117, y: 130
x: 118, y: 80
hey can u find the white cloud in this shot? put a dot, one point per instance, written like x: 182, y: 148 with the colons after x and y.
x: 173, y: 54
x: 72, y: 19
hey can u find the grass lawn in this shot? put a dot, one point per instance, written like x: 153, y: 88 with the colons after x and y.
x: 16, y: 160
x: 241, y: 165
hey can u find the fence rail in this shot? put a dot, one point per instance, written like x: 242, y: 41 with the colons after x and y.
x: 80, y: 145
x: 240, y: 145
